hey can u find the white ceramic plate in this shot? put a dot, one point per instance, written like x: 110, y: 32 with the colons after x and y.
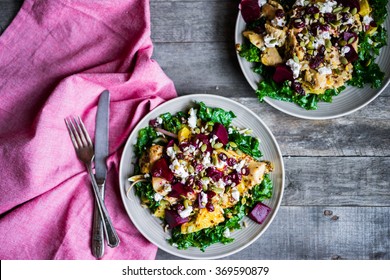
x: 348, y: 101
x: 151, y: 227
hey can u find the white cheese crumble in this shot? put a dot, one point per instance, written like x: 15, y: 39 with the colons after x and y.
x: 192, y: 118
x: 206, y: 161
x: 345, y: 50
x: 220, y: 184
x: 267, y: 41
x: 178, y: 169
x: 295, y: 67
x: 186, y: 212
x: 278, y: 22
x: 351, y: 20
x: 159, y: 120
x: 324, y: 71
x: 324, y: 35
x: 226, y: 233
x: 300, y: 3
x: 203, y: 198
x: 167, y: 188
x: 235, y: 194
x: 239, y: 166
x: 262, y: 2
x: 171, y: 152
x: 157, y: 197
x: 327, y: 7
x: 367, y: 20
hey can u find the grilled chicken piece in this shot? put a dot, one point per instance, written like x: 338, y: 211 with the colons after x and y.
x: 254, y: 38
x: 149, y: 157
x: 271, y: 57
x: 204, y: 219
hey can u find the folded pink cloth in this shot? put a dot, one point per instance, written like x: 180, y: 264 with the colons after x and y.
x: 56, y: 58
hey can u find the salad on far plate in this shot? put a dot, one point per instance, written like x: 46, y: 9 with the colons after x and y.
x: 201, y: 175
x: 307, y: 51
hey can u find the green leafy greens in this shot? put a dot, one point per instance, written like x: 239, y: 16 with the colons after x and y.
x: 233, y: 216
x: 365, y: 71
x: 144, y: 140
x: 215, y: 115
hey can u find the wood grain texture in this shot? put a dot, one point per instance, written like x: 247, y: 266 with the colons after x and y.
x: 302, y: 233
x: 337, y: 181
x: 209, y: 67
x: 363, y: 133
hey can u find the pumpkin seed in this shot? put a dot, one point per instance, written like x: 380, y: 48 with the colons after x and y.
x: 203, y: 148
x: 317, y: 16
x: 302, y: 43
x: 310, y: 46
x: 191, y: 169
x: 239, y: 152
x: 185, y: 203
x: 350, y: 41
x: 322, y: 21
x: 295, y: 58
x: 273, y: 41
x: 328, y: 44
x: 354, y: 11
x: 337, y: 23
x: 311, y: 52
x: 197, y: 130
x: 343, y: 28
x: 342, y: 43
x: 338, y: 9
x: 233, y: 145
x: 243, y: 200
x: 368, y: 62
x: 345, y: 10
x: 218, y: 145
x: 343, y: 60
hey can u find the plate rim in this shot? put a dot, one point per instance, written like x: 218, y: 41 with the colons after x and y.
x: 189, y: 98
x: 269, y: 100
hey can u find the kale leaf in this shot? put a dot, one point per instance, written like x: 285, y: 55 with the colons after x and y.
x: 215, y: 115
x: 145, y: 191
x: 249, y: 51
x: 144, y: 140
x: 379, y: 11
x: 246, y: 143
x: 171, y: 123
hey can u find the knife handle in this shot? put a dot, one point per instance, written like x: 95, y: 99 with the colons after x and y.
x: 97, y: 228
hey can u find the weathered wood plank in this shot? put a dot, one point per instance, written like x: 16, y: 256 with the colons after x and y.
x: 337, y: 181
x: 193, y: 21
x: 363, y: 133
x: 356, y: 233
x: 205, y: 68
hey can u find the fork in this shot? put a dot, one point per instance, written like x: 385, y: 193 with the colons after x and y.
x: 85, y: 153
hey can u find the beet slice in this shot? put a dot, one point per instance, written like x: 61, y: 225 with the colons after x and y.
x: 282, y: 73
x: 352, y: 55
x: 214, y: 174
x: 350, y: 3
x: 348, y: 35
x: 161, y: 169
x: 259, y: 213
x: 179, y: 189
x: 173, y: 219
x: 220, y: 131
x: 250, y: 10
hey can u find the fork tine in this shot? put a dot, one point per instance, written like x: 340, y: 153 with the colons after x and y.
x: 80, y: 131
x: 76, y: 132
x: 72, y: 136
x: 84, y: 130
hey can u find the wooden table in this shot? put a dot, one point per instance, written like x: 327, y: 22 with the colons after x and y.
x: 336, y: 203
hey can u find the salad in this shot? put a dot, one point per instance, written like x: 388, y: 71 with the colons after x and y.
x: 309, y: 50
x: 201, y: 175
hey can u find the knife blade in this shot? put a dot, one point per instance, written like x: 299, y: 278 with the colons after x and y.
x: 101, y: 153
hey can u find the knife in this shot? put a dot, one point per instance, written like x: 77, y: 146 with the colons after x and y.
x: 101, y: 153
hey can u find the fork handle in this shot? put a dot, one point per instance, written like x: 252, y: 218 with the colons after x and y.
x: 109, y: 230
x: 97, y: 227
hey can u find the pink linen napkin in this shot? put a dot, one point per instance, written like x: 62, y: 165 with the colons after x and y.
x: 56, y: 58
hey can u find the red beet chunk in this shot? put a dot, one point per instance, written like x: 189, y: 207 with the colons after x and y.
x: 259, y: 213
x: 173, y: 219
x: 220, y: 131
x: 250, y: 10
x: 161, y: 169
x: 179, y: 189
x: 352, y: 55
x: 282, y: 73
